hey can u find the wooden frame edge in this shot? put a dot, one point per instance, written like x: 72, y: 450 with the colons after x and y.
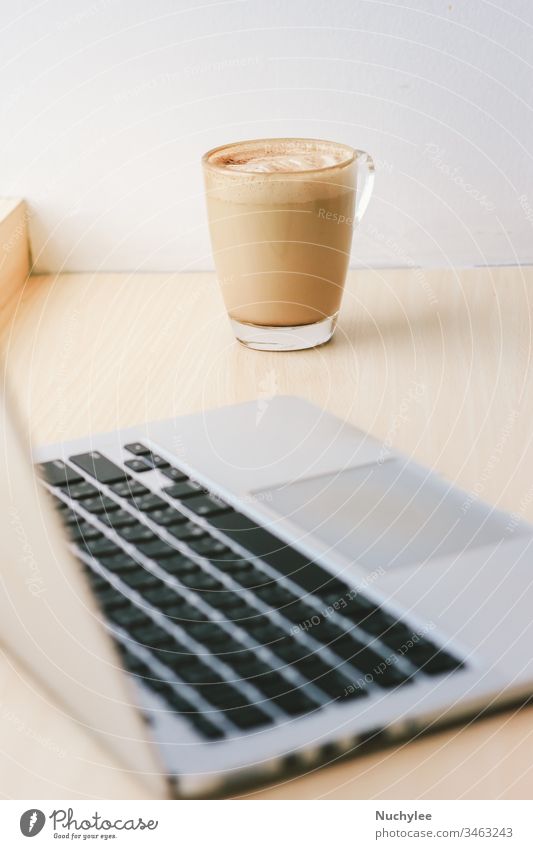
x: 15, y: 258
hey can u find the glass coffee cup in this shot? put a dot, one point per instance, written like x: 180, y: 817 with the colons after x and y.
x: 281, y: 217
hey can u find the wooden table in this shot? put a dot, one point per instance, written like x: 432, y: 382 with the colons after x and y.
x: 437, y: 363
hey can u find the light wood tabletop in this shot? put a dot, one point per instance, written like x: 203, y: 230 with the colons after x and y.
x: 437, y: 363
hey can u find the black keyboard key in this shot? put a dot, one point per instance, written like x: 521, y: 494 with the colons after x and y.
x: 201, y: 581
x: 57, y: 473
x: 70, y: 518
x: 161, y: 596
x: 178, y: 565
x: 109, y: 598
x: 83, y: 531
x: 207, y: 505
x: 226, y: 646
x: 248, y: 718
x: 359, y: 609
x: 137, y: 465
x: 174, y: 474
x: 441, y: 664
x: 295, y: 703
x: 184, y: 490
x: 172, y: 699
x: 81, y: 490
x: 378, y: 623
x: 271, y: 684
x: 391, y: 677
x: 118, y: 519
x: 255, y: 620
x: 328, y: 680
x: 136, y: 666
x: 119, y: 563
x: 137, y: 448
x: 314, y: 667
x: 207, y: 546
x: 331, y: 585
x: 283, y: 599
x: 230, y: 562
x: 97, y: 581
x: 156, y: 461
x: 165, y: 691
x: 206, y: 728
x: 208, y: 633
x: 241, y: 610
x: 353, y: 691
x: 156, y: 549
x: 250, y: 671
x: 175, y: 655
x: 100, y: 504
x: 153, y: 636
x: 267, y: 635
x: 431, y: 660
x: 147, y: 503
x: 140, y: 579
x: 182, y: 613
x: 99, y: 467
x: 99, y: 546
x: 250, y: 577
x: 357, y: 654
x: 290, y: 650
x: 167, y: 516
x: 244, y: 661
x: 222, y: 600
x: 137, y: 533
x: 226, y: 653
x: 129, y: 488
x: 325, y: 631
x: 194, y: 672
x: 223, y: 696
x: 398, y: 636
x: 284, y: 558
x: 186, y: 532
x: 175, y: 701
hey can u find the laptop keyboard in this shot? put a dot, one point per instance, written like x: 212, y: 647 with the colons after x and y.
x: 226, y: 624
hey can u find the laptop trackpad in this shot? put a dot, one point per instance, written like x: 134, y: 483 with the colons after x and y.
x: 388, y: 514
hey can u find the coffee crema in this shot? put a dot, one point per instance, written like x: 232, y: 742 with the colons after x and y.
x: 278, y: 162
x: 280, y: 157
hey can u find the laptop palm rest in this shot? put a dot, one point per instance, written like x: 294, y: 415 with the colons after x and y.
x: 389, y: 515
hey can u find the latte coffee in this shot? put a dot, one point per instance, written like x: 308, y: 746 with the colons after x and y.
x: 281, y: 216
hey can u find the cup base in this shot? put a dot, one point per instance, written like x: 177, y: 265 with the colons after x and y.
x: 298, y: 338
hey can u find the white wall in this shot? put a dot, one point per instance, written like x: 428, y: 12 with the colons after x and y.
x: 106, y: 107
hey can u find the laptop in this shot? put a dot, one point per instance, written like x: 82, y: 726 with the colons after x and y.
x: 237, y: 595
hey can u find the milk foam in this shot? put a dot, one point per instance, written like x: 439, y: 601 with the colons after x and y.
x: 270, y: 159
x: 276, y: 162
x: 253, y: 172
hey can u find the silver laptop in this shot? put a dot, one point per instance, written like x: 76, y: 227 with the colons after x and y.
x: 232, y: 595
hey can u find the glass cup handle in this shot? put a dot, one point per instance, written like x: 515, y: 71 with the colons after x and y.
x: 363, y: 197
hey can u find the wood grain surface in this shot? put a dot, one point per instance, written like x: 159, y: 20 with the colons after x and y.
x: 437, y: 363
